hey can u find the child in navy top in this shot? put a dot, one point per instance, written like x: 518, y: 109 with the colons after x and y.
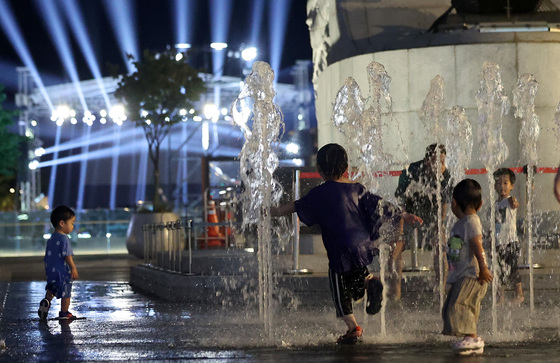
x: 350, y: 218
x: 59, y: 264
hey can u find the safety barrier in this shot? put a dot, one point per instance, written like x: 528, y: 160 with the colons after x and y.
x: 163, y: 245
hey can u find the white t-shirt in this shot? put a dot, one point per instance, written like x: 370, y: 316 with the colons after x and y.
x: 506, y: 219
x: 460, y: 257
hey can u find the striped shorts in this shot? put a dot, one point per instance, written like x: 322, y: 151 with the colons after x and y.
x: 346, y: 287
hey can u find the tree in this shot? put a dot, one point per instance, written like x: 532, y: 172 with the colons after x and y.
x: 154, y: 95
x: 9, y: 149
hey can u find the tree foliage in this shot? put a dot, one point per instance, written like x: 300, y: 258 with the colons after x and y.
x: 154, y: 95
x: 9, y: 151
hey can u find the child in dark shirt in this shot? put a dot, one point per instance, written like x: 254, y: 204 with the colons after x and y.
x: 350, y: 218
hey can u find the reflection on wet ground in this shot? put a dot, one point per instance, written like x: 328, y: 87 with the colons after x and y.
x: 124, y: 325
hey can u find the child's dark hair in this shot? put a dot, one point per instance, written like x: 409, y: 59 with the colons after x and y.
x: 505, y: 171
x: 333, y: 161
x: 468, y: 193
x: 61, y: 213
x: 431, y: 150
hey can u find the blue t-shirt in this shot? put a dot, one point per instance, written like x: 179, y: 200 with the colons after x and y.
x: 349, y: 217
x: 56, y: 268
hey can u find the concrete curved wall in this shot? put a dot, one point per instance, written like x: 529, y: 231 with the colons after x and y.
x: 412, y: 70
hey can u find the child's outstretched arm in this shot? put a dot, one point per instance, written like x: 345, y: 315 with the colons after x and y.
x: 409, y: 218
x: 73, y: 270
x: 283, y: 210
x: 484, y: 274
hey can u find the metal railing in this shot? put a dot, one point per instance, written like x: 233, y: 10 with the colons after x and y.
x: 164, y: 245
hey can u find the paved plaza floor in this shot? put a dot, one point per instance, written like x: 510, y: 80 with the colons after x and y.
x: 122, y: 324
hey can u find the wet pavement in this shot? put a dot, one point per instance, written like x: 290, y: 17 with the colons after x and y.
x: 122, y: 324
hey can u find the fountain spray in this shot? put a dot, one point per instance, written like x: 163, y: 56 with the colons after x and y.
x: 493, y: 105
x: 258, y: 161
x: 524, y: 95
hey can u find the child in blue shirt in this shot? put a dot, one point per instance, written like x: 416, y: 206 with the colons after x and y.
x: 350, y: 218
x: 59, y: 264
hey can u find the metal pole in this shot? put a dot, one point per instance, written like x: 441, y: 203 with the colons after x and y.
x: 144, y: 228
x: 189, y: 241
x: 296, y: 270
x: 414, y: 251
x: 296, y: 223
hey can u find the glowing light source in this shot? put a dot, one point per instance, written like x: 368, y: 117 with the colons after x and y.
x: 33, y: 165
x: 178, y: 57
x: 210, y: 111
x: 292, y: 148
x: 297, y: 162
x: 182, y: 46
x: 248, y: 54
x: 182, y: 112
x: 218, y: 46
x: 117, y: 113
x: 39, y: 152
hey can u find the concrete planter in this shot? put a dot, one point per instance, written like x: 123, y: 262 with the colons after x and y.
x: 134, y: 234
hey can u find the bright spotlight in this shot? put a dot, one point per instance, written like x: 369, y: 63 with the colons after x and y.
x: 224, y: 111
x: 297, y: 162
x: 179, y: 56
x: 218, y: 46
x: 103, y: 113
x: 33, y: 165
x: 62, y: 111
x: 73, y: 121
x: 117, y: 113
x: 59, y: 122
x: 210, y: 111
x: 12, y: 190
x: 103, y: 120
x: 33, y: 123
x: 197, y: 118
x: 248, y: 54
x: 39, y: 152
x: 292, y: 148
x: 182, y: 112
x: 182, y: 46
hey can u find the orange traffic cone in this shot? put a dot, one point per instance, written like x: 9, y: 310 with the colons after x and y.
x: 215, y: 237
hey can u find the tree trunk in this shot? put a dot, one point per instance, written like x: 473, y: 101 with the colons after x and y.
x: 155, y: 160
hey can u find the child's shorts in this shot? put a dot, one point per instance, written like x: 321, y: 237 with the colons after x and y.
x: 59, y: 284
x: 347, y: 287
x: 462, y: 307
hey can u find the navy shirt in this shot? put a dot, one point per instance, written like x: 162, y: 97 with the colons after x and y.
x: 349, y: 217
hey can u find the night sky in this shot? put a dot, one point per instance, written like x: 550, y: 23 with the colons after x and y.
x: 155, y: 31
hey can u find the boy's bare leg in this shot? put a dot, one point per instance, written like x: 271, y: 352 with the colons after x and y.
x: 49, y: 295
x: 395, y: 271
x: 65, y: 304
x: 519, y: 298
x: 350, y: 321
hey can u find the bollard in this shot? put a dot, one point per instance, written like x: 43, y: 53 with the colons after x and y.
x: 414, y: 255
x: 144, y: 237
x: 296, y: 270
x: 170, y: 227
x: 414, y: 251
x: 189, y: 241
